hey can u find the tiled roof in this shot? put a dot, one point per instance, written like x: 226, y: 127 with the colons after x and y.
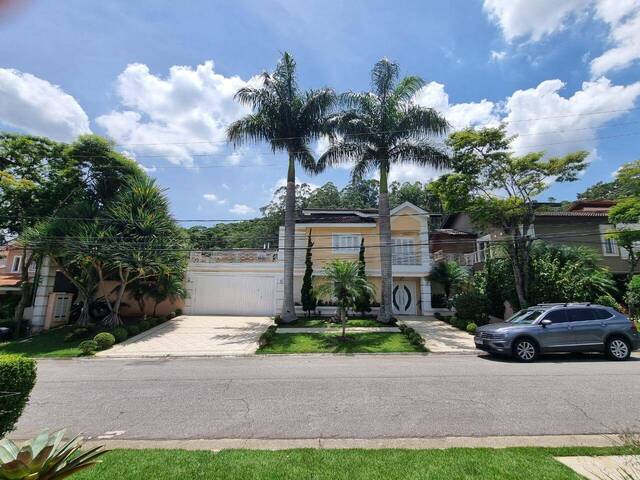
x: 576, y: 213
x: 9, y: 280
x: 334, y: 218
x: 453, y: 231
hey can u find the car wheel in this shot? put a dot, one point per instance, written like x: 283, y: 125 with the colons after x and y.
x: 525, y: 350
x: 618, y: 348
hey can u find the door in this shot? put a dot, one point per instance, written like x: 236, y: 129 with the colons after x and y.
x: 404, y: 298
x: 588, y: 326
x: 558, y: 334
x: 232, y: 294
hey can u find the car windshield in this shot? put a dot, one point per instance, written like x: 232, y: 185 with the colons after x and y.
x: 524, y: 317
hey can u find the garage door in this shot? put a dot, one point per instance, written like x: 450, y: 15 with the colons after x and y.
x: 235, y: 294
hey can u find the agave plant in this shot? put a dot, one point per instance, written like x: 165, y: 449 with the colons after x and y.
x: 46, y: 457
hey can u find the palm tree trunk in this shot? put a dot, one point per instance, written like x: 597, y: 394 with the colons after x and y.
x: 343, y: 320
x: 25, y: 293
x: 384, y: 224
x: 288, y: 313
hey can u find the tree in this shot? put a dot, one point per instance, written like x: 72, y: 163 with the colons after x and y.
x: 498, y: 189
x: 363, y: 302
x: 625, y: 215
x: 345, y: 284
x: 307, y: 294
x: 633, y: 295
x: 327, y: 196
x: 376, y: 130
x: 288, y: 119
x: 169, y: 285
x: 626, y: 184
x: 450, y: 275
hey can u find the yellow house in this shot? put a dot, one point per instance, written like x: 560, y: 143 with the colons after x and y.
x: 338, y: 233
x: 251, y: 282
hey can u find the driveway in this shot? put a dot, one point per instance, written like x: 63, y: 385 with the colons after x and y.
x: 439, y: 336
x: 195, y: 336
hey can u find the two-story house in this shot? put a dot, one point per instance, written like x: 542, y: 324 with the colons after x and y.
x: 11, y: 258
x: 251, y: 282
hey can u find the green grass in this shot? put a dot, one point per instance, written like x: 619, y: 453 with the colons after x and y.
x: 369, y: 342
x: 47, y: 344
x: 320, y: 322
x: 390, y: 464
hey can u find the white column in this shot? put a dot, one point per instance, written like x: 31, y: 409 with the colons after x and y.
x: 425, y: 296
x: 44, y: 288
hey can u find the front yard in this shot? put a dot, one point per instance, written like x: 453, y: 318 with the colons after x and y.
x: 47, y: 344
x: 455, y: 463
x: 362, y: 342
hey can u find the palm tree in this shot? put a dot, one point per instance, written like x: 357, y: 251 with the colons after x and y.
x: 450, y: 275
x: 345, y: 284
x: 288, y: 119
x: 376, y: 130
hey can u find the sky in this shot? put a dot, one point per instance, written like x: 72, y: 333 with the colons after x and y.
x: 158, y: 77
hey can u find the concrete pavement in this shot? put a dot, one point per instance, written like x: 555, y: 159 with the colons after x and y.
x: 440, y: 337
x: 334, y: 397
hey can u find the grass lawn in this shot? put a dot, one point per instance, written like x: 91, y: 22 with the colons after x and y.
x: 332, y: 343
x: 47, y: 344
x: 315, y: 322
x: 471, y: 463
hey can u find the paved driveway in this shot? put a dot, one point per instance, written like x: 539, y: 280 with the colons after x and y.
x: 440, y: 337
x: 194, y: 336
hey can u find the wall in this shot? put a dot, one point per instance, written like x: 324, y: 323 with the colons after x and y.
x: 131, y: 308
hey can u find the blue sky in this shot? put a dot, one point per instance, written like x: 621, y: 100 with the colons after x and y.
x: 563, y: 74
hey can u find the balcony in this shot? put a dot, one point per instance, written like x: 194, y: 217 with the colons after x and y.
x: 464, y: 259
x: 233, y: 256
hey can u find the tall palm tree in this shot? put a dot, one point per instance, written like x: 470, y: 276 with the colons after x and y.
x: 376, y: 130
x: 288, y: 119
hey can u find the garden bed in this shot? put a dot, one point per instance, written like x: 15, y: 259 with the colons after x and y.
x: 320, y: 322
x: 369, y: 342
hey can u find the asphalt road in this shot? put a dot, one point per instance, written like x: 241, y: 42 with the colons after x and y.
x: 334, y: 397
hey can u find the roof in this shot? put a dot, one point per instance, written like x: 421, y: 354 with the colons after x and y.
x: 9, y: 280
x: 337, y: 217
x: 576, y: 213
x: 453, y: 232
x: 592, y: 205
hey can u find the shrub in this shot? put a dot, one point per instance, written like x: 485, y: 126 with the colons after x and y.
x: 104, y: 340
x: 459, y: 323
x: 414, y: 337
x: 471, y: 307
x: 633, y: 294
x: 178, y: 312
x: 76, y: 334
x: 144, y: 325
x: 438, y: 315
x: 472, y: 327
x: 133, y: 330
x: 608, y: 301
x: 171, y: 315
x: 17, y: 377
x: 88, y: 347
x: 120, y: 334
x: 267, y: 337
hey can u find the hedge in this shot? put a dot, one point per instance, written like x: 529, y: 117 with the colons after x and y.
x: 17, y: 378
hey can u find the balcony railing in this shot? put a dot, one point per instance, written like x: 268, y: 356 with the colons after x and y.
x: 234, y: 256
x: 405, y: 259
x: 464, y: 259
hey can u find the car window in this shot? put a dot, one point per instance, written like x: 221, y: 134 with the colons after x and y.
x: 525, y: 317
x: 601, y: 313
x: 581, y: 314
x: 557, y: 316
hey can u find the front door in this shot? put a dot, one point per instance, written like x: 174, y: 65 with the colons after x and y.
x: 404, y: 298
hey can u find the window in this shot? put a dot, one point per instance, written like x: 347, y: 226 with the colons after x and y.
x: 16, y: 264
x: 609, y: 245
x: 404, y: 251
x: 580, y: 314
x: 601, y: 314
x: 346, y: 243
x: 3, y: 260
x: 557, y: 316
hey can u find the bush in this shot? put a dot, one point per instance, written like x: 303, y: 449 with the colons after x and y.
x: 17, y: 377
x: 633, y: 294
x: 120, y: 334
x: 133, y: 330
x: 471, y: 307
x: 267, y: 337
x: 459, y: 323
x: 144, y: 325
x: 104, y: 340
x: 472, y: 327
x: 88, y: 347
x: 608, y: 301
x: 76, y: 334
x: 414, y: 337
x: 171, y: 315
x: 438, y: 315
x: 178, y: 312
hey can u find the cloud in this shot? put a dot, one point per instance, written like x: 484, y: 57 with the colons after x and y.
x: 240, y: 209
x: 212, y: 197
x: 144, y: 168
x: 498, y: 56
x: 534, y: 20
x: 182, y: 115
x: 33, y: 105
x: 283, y: 183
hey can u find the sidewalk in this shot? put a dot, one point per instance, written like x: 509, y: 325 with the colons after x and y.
x: 440, y: 337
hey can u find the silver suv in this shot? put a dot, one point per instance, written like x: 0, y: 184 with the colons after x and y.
x: 564, y: 327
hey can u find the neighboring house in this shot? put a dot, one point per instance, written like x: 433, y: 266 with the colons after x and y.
x: 11, y: 258
x: 584, y: 223
x: 251, y: 282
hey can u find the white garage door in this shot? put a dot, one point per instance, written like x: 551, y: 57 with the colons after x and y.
x: 232, y: 294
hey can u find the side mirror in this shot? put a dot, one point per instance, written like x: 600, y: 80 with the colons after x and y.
x: 545, y: 322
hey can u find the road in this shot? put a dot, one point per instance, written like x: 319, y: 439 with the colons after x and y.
x: 333, y: 397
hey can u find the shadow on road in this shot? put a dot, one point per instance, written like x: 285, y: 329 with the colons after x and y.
x: 557, y: 358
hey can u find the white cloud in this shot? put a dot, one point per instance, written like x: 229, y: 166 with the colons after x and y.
x: 144, y: 168
x: 38, y: 107
x: 534, y: 20
x: 225, y: 186
x: 498, y: 56
x: 182, y: 115
x: 240, y: 209
x: 212, y: 197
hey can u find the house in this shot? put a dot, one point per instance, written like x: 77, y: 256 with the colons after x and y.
x: 251, y: 282
x: 584, y: 223
x: 11, y: 258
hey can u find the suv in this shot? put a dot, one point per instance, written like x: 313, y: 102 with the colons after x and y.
x: 561, y: 327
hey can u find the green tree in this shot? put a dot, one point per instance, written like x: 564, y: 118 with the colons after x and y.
x: 288, y: 119
x: 307, y: 294
x: 498, y: 189
x: 360, y: 193
x: 625, y: 184
x: 376, y: 130
x: 344, y: 284
x: 326, y: 196
x: 633, y: 295
x: 625, y: 215
x: 169, y: 285
x: 450, y: 275
x: 363, y: 303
